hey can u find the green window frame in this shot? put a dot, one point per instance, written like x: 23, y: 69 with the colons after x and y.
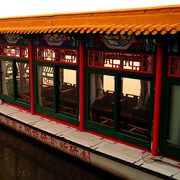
x: 19, y: 82
x: 63, y: 102
x: 170, y: 125
x: 108, y: 123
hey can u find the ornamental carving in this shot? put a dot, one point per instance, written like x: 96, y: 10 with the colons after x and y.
x: 54, y: 39
x: 12, y: 38
x: 118, y: 41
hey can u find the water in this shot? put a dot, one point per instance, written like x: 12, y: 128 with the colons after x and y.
x: 22, y: 159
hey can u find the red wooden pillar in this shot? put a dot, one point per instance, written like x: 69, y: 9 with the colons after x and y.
x: 157, y: 103
x: 31, y: 75
x: 81, y: 87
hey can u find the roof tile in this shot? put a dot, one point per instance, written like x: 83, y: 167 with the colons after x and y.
x: 152, y: 20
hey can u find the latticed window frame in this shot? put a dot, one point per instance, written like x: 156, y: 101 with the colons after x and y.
x: 170, y: 66
x: 101, y: 65
x: 55, y: 59
x: 19, y: 52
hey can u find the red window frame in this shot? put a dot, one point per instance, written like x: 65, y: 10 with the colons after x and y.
x: 130, y: 59
x: 21, y: 52
x: 173, y: 66
x: 56, y: 55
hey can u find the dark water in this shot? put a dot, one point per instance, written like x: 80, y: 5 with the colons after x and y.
x: 22, y: 159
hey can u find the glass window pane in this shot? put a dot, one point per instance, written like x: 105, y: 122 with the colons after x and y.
x: 45, y: 84
x: 68, y: 91
x: 101, y: 99
x: 22, y: 80
x: 174, y: 118
x: 7, y: 78
x: 134, y: 105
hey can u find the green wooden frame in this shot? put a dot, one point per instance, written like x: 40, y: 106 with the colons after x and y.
x: 166, y: 148
x: 14, y: 99
x: 54, y: 113
x: 135, y: 139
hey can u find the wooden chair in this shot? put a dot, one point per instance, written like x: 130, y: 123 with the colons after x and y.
x: 66, y: 109
x: 106, y: 121
x: 137, y: 129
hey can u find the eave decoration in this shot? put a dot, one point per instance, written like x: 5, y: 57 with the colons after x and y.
x: 118, y: 41
x: 12, y: 38
x: 174, y: 45
x: 54, y: 39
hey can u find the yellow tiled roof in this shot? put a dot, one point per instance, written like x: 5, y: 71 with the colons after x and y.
x: 150, y: 20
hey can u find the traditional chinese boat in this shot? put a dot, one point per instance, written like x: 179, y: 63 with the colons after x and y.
x: 103, y: 86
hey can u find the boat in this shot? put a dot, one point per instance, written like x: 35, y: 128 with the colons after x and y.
x: 103, y: 86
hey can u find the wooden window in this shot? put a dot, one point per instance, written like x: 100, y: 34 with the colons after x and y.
x: 14, y: 51
x: 174, y: 116
x: 142, y: 63
x: 101, y: 99
x: 57, y: 83
x: 120, y: 95
x: 45, y: 86
x: 67, y: 91
x: 134, y: 105
x: 7, y: 78
x: 15, y: 80
x: 22, y: 81
x: 64, y: 56
x: 174, y: 66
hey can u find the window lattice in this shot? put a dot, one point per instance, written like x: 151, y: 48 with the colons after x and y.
x: 14, y: 51
x: 57, y: 55
x: 174, y: 66
x: 121, y: 61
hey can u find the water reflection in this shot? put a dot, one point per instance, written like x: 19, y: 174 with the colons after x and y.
x: 21, y: 159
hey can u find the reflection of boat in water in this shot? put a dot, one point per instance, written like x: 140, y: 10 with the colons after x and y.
x: 125, y: 92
